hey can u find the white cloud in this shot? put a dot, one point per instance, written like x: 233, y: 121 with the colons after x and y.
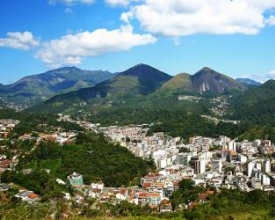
x: 262, y: 77
x: 71, y: 2
x: 120, y: 2
x: 174, y: 18
x: 19, y: 40
x: 271, y: 20
x: 72, y: 48
x: 271, y: 74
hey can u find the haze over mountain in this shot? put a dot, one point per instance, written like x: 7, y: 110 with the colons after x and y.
x: 249, y: 81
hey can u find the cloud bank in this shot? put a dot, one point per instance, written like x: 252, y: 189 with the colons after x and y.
x: 19, y: 40
x: 175, y: 18
x: 72, y: 48
x: 166, y: 18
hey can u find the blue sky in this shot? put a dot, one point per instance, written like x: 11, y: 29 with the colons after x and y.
x: 234, y: 37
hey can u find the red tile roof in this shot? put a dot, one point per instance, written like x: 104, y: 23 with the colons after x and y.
x: 32, y: 196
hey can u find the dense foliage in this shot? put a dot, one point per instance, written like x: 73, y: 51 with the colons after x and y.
x: 91, y: 155
x: 224, y: 204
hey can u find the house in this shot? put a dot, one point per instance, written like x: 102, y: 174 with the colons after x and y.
x: 75, y: 179
x: 99, y: 186
x: 4, y: 163
x: 153, y: 199
x: 233, y: 155
x: 4, y: 187
x: 165, y: 206
x: 142, y: 198
x: 27, y: 196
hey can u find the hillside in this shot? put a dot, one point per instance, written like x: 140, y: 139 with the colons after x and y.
x: 180, y: 82
x: 143, y: 88
x: 135, y: 82
x: 32, y: 89
x: 202, y: 82
x: 257, y: 104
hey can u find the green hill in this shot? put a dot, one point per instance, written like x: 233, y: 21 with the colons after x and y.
x: 257, y: 104
x: 138, y: 81
x: 35, y: 88
x: 179, y: 83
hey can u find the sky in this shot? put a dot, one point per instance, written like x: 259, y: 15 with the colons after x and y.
x: 233, y: 37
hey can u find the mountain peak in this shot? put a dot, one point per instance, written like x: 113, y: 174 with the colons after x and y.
x: 140, y: 67
x: 248, y: 81
x: 65, y: 68
x: 208, y: 79
x: 149, y: 77
x: 207, y: 69
x: 143, y: 70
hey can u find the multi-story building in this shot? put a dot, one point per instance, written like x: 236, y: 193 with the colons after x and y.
x: 216, y: 165
x: 200, y: 166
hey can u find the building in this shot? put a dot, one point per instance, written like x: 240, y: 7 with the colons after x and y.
x: 216, y: 165
x: 75, y: 179
x: 250, y: 168
x: 267, y: 166
x: 256, y: 183
x: 200, y: 166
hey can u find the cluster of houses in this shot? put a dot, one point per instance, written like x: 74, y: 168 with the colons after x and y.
x: 7, y: 125
x: 217, y: 162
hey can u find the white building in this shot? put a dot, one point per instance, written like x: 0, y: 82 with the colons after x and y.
x: 250, y: 168
x: 232, y: 145
x: 267, y: 166
x: 242, y: 158
x: 256, y: 183
x: 265, y: 179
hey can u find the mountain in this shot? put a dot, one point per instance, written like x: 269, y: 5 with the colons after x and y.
x: 34, y: 88
x: 149, y: 78
x: 204, y: 81
x: 146, y: 86
x: 248, y: 81
x: 256, y: 103
x: 180, y: 82
x: 208, y: 80
x: 137, y: 81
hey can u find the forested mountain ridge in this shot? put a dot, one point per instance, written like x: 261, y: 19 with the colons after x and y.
x: 256, y: 104
x: 145, y: 85
x: 35, y: 88
x: 204, y: 81
x: 138, y: 81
